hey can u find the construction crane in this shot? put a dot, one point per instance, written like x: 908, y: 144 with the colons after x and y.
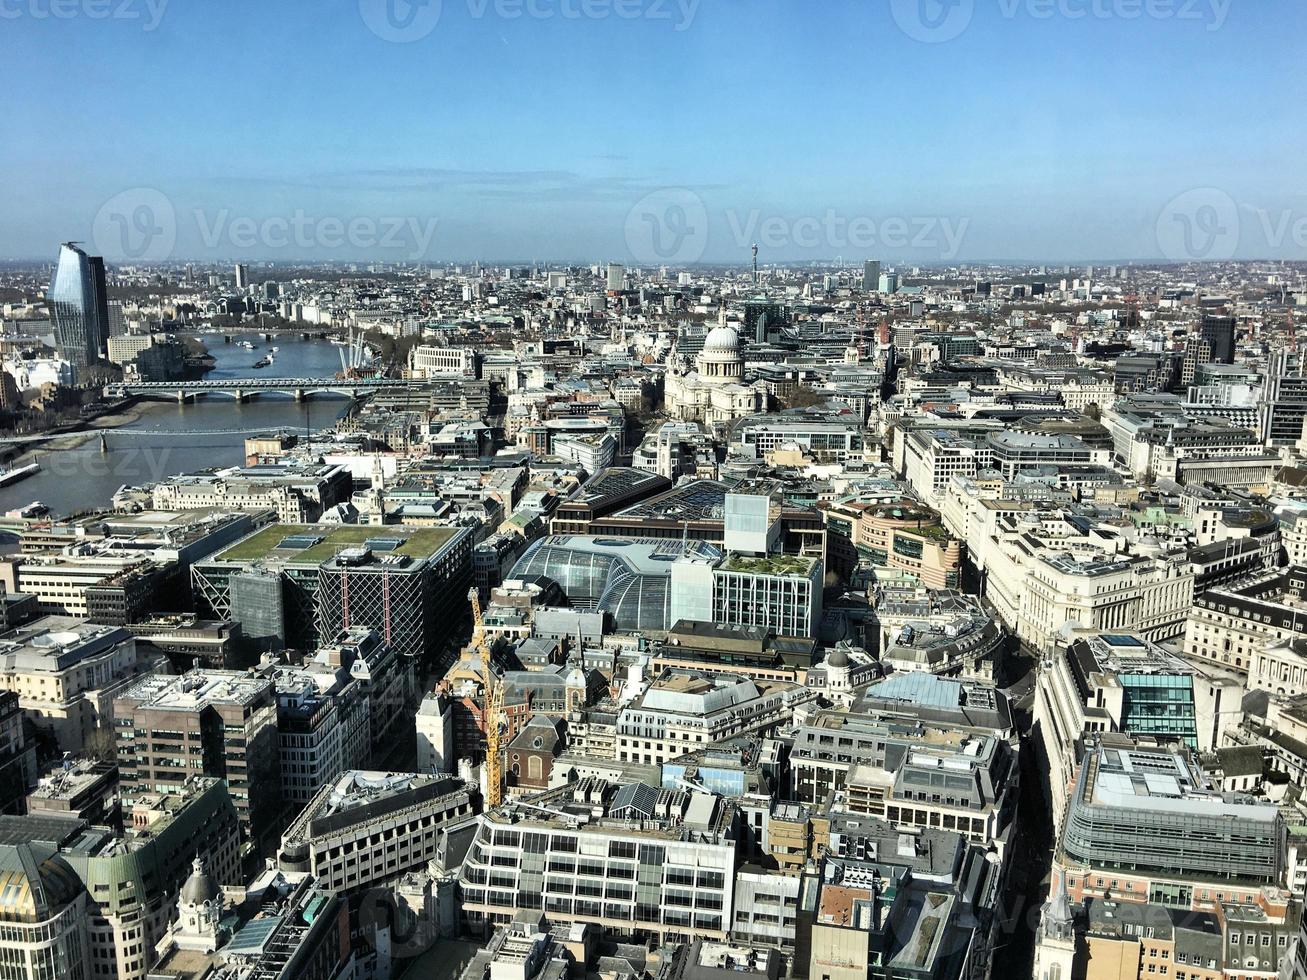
x: 492, y: 706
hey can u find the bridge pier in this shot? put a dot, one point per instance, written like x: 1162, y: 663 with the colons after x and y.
x: 299, y: 394
x: 182, y: 397
x: 241, y: 397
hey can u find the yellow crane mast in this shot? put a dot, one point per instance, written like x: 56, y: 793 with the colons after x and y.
x: 492, y: 706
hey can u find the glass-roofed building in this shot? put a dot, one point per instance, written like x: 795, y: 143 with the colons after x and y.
x: 653, y: 584
x: 627, y: 578
x: 1097, y: 682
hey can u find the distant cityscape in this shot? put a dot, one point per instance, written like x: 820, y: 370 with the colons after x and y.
x: 665, y: 623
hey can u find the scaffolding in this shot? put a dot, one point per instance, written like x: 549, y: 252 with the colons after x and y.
x: 492, y: 706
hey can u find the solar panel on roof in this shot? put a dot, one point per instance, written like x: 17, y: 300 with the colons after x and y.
x: 299, y: 542
x: 1117, y: 640
x: 384, y: 544
x: 253, y: 936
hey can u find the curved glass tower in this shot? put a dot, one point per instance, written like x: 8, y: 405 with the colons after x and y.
x: 79, y: 306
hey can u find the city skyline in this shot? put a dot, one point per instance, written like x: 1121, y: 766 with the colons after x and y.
x: 654, y: 132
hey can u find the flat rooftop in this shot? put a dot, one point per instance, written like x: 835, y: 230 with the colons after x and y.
x: 55, y: 643
x: 197, y: 689
x: 770, y: 565
x: 697, y: 500
x: 1125, y: 653
x: 315, y: 543
x: 1141, y: 779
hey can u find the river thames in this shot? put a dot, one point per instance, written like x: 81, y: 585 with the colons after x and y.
x: 166, y: 438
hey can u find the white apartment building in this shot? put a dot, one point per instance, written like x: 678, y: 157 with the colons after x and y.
x: 323, y: 728
x: 683, y: 711
x: 67, y: 673
x: 435, y: 734
x: 442, y: 362
x: 1230, y: 626
x: 299, y: 495
x: 766, y: 909
x: 932, y: 457
x: 1043, y: 572
x: 60, y: 582
x: 1293, y: 533
x: 592, y: 452
x: 1146, y: 595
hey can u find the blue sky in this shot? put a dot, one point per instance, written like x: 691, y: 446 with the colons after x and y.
x: 1046, y: 130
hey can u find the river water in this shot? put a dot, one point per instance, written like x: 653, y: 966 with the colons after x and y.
x: 168, y: 438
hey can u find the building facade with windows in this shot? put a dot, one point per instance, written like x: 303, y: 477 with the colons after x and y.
x: 635, y: 860
x: 1141, y: 826
x: 215, y: 723
x: 365, y: 828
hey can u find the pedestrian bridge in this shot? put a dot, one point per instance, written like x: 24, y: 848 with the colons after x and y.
x: 243, y: 389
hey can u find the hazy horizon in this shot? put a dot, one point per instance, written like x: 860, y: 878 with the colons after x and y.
x: 650, y: 132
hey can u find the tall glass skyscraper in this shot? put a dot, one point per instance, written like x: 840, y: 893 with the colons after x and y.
x: 79, y: 306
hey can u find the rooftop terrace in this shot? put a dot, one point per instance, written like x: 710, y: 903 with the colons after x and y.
x: 316, y: 543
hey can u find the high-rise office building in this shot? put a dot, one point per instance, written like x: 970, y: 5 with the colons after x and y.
x: 213, y: 722
x: 1218, y: 332
x: 79, y: 306
x: 117, y: 322
x: 616, y: 277
x: 403, y: 582
x: 242, y: 276
x: 1284, y: 401
x: 889, y: 282
x: 870, y: 275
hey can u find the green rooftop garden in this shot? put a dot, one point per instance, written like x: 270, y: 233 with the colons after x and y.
x: 933, y: 532
x: 770, y: 565
x: 417, y: 542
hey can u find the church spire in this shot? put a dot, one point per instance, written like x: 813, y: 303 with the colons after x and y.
x: 1058, y: 919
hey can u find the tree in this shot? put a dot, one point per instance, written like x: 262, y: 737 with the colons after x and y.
x: 801, y: 397
x: 101, y: 746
